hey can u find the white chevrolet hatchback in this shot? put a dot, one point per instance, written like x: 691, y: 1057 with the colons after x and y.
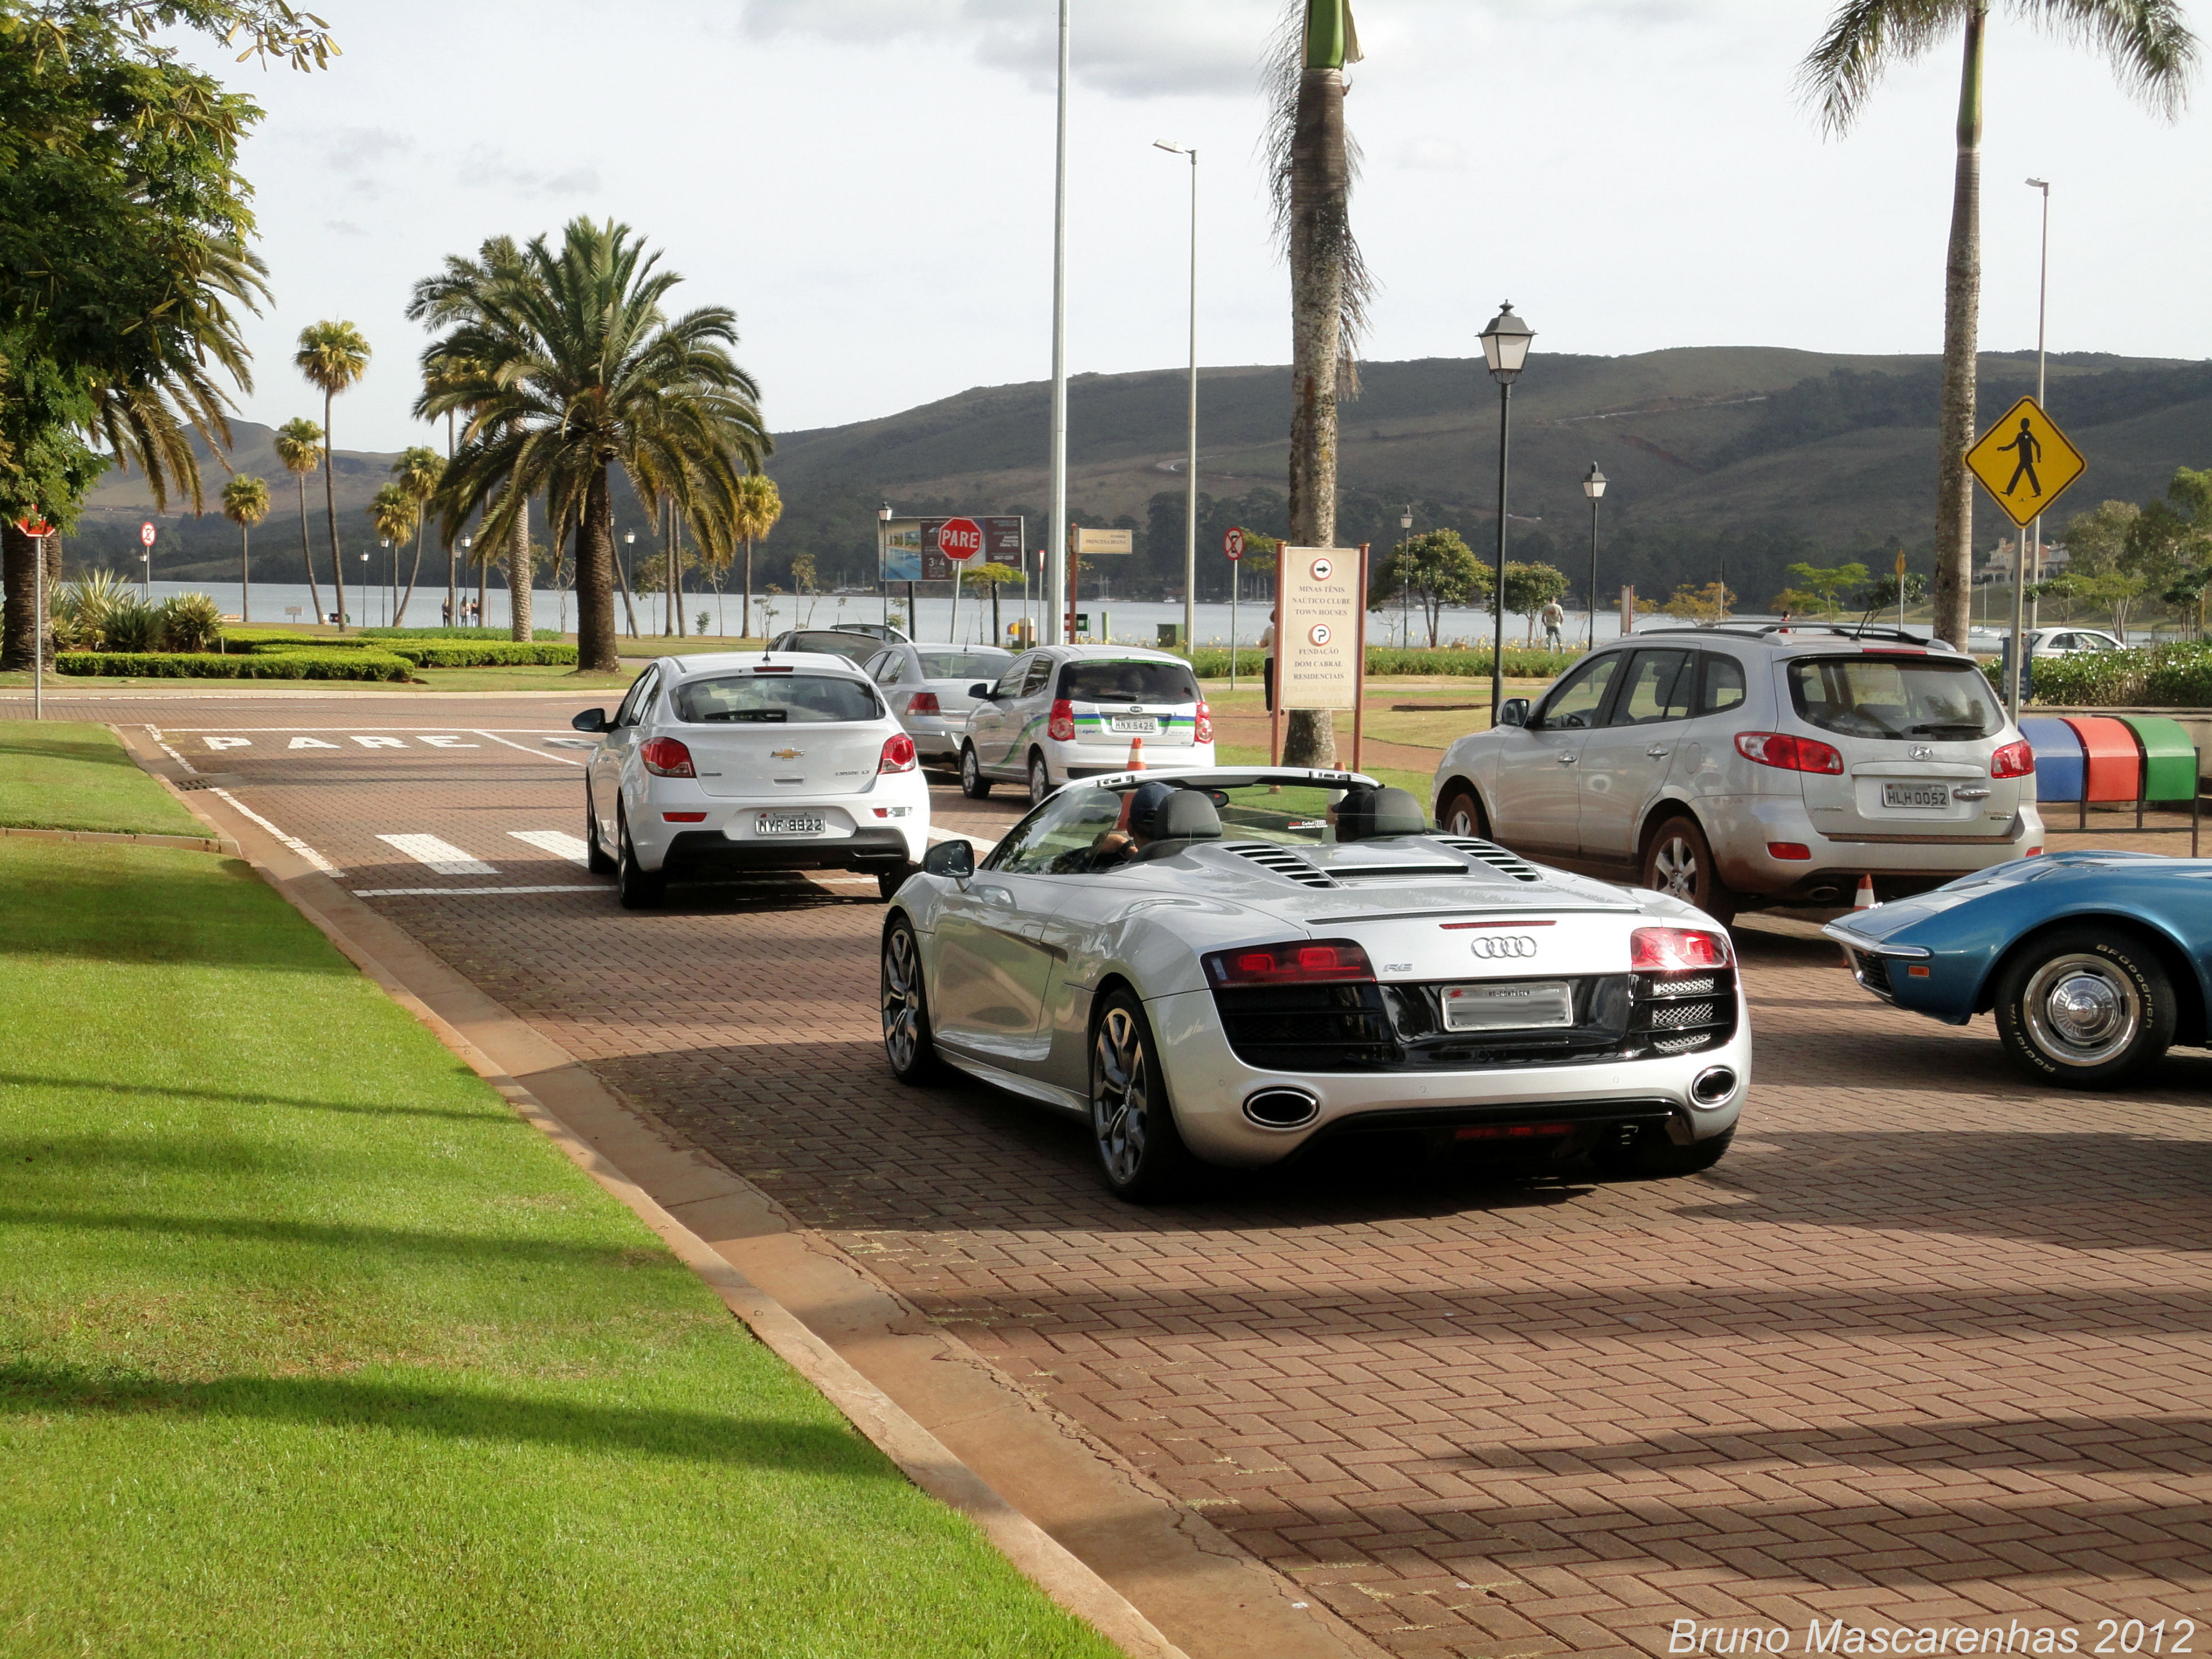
x: 739, y: 762
x: 1072, y: 711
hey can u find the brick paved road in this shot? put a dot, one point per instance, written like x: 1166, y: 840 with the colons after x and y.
x: 1930, y: 1348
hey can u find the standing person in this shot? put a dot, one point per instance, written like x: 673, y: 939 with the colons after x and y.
x: 1553, y: 619
x: 1268, y: 663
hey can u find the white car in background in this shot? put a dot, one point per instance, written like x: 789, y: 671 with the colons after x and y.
x: 743, y: 761
x: 1072, y: 711
x: 931, y: 688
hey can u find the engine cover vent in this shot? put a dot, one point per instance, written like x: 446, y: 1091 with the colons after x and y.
x: 1281, y: 860
x: 1490, y: 853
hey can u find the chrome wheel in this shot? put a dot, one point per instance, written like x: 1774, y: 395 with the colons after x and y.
x: 1040, y: 779
x: 1674, y: 869
x: 1121, y: 1096
x: 2081, y: 1011
x: 901, y: 996
x: 973, y: 783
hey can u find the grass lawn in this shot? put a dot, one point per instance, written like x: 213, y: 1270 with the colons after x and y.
x: 309, y: 1346
x: 58, y: 775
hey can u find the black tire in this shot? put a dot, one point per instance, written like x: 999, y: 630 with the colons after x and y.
x: 1462, y: 814
x: 1141, y: 1156
x: 908, y: 1044
x: 1040, y: 777
x: 595, y: 856
x: 888, y: 882
x: 637, y: 888
x: 1655, y: 1157
x: 1678, y: 859
x: 2085, y: 1008
x: 973, y: 783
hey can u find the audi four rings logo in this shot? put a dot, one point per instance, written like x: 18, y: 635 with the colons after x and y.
x: 1501, y: 947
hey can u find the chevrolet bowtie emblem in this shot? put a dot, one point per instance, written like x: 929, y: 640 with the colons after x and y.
x: 785, y: 754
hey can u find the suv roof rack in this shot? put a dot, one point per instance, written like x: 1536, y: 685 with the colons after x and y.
x: 1841, y: 630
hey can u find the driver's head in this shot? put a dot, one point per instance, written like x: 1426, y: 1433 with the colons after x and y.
x: 1146, y: 805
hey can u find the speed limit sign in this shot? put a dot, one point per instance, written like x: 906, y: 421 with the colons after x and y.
x: 1232, y: 542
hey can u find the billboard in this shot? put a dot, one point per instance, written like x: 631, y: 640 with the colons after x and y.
x: 1318, y: 626
x: 910, y: 553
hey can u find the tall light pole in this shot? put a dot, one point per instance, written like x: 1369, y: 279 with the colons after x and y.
x: 385, y: 542
x: 883, y: 558
x: 629, y: 540
x: 2042, y: 306
x: 1190, y: 511
x: 468, y: 542
x: 1594, y: 487
x: 1506, y: 348
x: 1057, y: 582
x: 1405, y: 586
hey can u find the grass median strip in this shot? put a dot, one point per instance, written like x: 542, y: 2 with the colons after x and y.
x: 68, y: 776
x: 308, y: 1346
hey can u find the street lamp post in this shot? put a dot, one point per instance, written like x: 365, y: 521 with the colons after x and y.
x: 1405, y: 587
x: 883, y: 529
x: 1056, y: 579
x: 1594, y: 487
x: 1190, y: 510
x: 629, y: 540
x: 385, y: 542
x: 1505, y: 349
x: 2042, y: 306
x: 364, y: 587
x: 468, y: 542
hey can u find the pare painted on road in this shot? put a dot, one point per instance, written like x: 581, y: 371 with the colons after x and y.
x: 366, y: 740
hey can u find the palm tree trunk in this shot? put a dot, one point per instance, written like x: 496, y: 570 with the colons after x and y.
x: 245, y: 577
x: 415, y: 570
x: 19, y: 632
x: 596, y: 652
x: 1320, y: 183
x: 521, y: 578
x: 306, y: 548
x: 745, y: 605
x: 330, y: 507
x: 1962, y: 295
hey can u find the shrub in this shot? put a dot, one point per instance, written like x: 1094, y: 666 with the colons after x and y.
x: 130, y: 626
x: 2161, y: 677
x: 189, y: 622
x: 237, y: 666
x: 483, y: 653
x: 492, y: 634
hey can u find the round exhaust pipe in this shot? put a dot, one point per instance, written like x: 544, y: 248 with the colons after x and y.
x: 1282, y: 1108
x: 1714, y: 1085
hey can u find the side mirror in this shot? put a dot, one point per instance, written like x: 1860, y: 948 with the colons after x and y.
x: 980, y: 689
x: 955, y: 859
x: 591, y: 720
x: 1514, y: 711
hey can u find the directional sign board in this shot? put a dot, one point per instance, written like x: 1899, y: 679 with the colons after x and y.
x: 914, y: 552
x: 1317, y: 631
x: 1091, y: 542
x: 1232, y: 542
x: 2025, y: 461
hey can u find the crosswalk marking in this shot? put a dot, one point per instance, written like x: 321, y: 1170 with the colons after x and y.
x: 559, y: 842
x: 442, y: 856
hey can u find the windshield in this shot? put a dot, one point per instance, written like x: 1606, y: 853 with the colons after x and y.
x: 1074, y: 832
x: 964, y: 665
x: 1895, y: 697
x: 856, y: 646
x: 775, y: 700
x: 1128, y: 682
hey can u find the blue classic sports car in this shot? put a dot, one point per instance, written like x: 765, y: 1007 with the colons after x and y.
x: 2094, y: 963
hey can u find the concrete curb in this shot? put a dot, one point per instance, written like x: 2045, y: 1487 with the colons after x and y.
x: 223, y: 844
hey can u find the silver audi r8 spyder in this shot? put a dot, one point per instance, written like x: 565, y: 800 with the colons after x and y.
x: 1234, y: 965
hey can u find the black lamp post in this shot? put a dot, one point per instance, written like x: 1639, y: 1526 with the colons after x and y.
x: 1594, y: 487
x: 1506, y: 348
x: 1405, y: 580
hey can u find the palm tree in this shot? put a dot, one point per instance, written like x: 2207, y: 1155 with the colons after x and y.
x: 565, y: 365
x: 333, y: 357
x: 418, y: 470
x: 246, y: 504
x: 759, y: 505
x: 394, y: 513
x: 1312, y: 174
x: 300, y: 447
x: 2152, y: 51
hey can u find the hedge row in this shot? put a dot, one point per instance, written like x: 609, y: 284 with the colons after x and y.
x: 2160, y: 677
x: 244, y: 666
x: 499, y: 632
x: 1212, y: 662
x: 483, y: 653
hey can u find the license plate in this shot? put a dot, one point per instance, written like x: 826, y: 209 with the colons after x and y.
x: 1915, y: 794
x: 789, y: 824
x: 1143, y: 725
x: 1523, y: 1005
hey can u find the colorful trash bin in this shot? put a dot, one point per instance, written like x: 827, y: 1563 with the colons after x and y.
x: 2169, y: 756
x: 2112, y: 763
x: 2058, y: 761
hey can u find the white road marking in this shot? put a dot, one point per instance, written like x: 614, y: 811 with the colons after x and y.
x: 572, y: 742
x: 228, y: 743
x: 527, y: 749
x: 374, y: 743
x: 292, y: 842
x: 309, y: 742
x: 450, y: 743
x: 464, y: 892
x: 559, y: 842
x: 442, y: 856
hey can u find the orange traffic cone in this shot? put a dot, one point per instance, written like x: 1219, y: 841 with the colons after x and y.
x: 1865, y: 899
x: 1136, y: 755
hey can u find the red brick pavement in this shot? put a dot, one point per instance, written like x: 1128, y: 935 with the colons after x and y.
x: 1929, y: 1347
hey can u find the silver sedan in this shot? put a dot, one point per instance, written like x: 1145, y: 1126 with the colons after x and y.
x: 927, y: 686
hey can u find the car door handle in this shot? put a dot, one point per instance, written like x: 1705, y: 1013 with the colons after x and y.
x: 1566, y: 760
x: 1656, y: 752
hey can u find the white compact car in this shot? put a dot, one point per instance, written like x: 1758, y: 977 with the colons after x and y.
x: 1740, y: 766
x: 1236, y: 965
x: 931, y: 688
x: 1070, y: 711
x: 742, y: 761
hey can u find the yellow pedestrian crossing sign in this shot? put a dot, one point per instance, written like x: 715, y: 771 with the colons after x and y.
x: 2025, y: 461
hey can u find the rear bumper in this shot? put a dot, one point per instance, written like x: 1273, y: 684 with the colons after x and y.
x: 696, y: 853
x: 1742, y: 827
x: 1095, y: 760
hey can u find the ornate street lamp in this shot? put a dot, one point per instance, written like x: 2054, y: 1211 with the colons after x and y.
x: 1506, y: 348
x: 1594, y: 487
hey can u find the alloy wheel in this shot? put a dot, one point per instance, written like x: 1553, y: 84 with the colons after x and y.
x: 1120, y: 1095
x: 1674, y: 869
x: 1039, y: 779
x: 2081, y: 1010
x: 901, y: 997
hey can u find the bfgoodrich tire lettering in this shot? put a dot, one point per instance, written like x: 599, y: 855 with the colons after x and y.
x: 2085, y: 1008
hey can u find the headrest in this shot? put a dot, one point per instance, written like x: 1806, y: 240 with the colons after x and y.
x: 1163, y: 812
x: 1365, y: 814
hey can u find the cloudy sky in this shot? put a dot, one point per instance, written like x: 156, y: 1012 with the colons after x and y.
x: 869, y: 184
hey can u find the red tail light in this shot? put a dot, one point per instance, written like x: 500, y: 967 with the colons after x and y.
x: 2014, y: 760
x: 1671, y: 950
x: 898, y: 754
x: 1302, y: 962
x: 923, y: 702
x: 1788, y: 849
x: 684, y: 818
x: 1060, y: 728
x: 665, y: 757
x: 1788, y: 754
x: 1204, y: 730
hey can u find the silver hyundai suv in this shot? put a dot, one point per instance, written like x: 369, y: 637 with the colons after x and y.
x: 1737, y: 767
